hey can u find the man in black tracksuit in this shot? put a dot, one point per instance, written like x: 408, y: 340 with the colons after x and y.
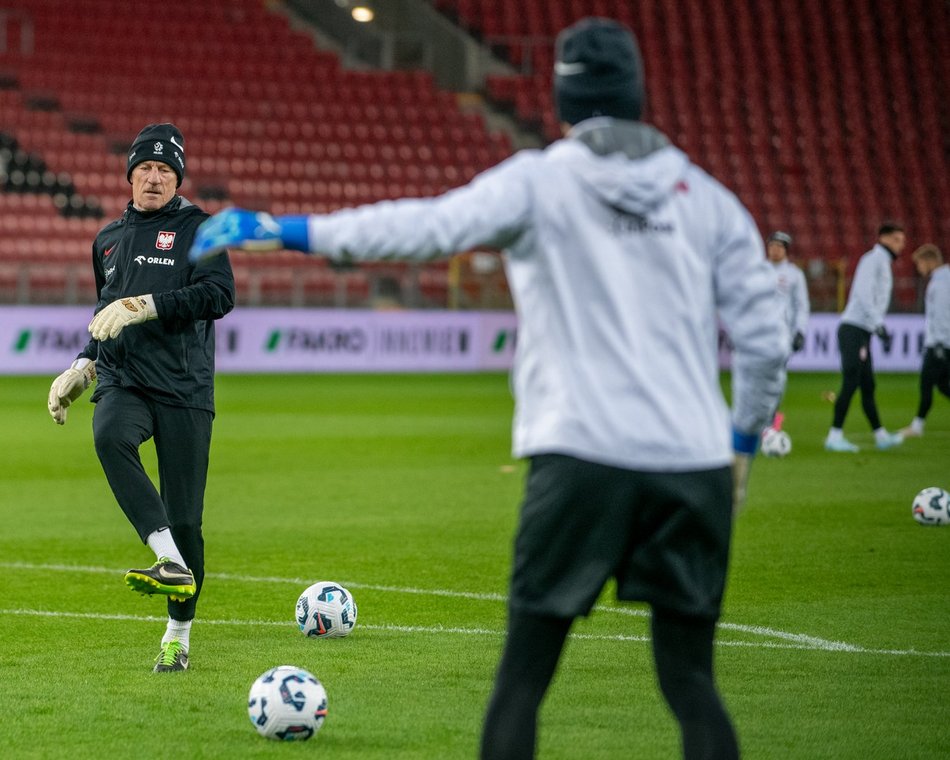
x: 156, y: 378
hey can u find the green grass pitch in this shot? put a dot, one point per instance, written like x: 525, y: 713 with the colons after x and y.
x: 834, y: 643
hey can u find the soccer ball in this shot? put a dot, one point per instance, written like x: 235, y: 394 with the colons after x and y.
x: 776, y: 443
x: 326, y: 610
x: 287, y: 703
x: 932, y: 506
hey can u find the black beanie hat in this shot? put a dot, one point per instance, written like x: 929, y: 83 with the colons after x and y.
x: 598, y: 72
x: 158, y: 142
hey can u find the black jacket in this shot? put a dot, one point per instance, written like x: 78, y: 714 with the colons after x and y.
x: 171, y: 358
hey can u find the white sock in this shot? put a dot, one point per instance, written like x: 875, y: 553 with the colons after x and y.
x: 881, y: 434
x: 917, y: 425
x: 161, y: 542
x: 835, y: 434
x: 178, y: 629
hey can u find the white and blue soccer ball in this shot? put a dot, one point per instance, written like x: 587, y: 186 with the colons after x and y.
x: 287, y: 703
x: 776, y: 443
x: 932, y: 507
x: 326, y: 610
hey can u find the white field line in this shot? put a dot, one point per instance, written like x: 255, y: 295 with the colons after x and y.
x: 438, y: 629
x: 793, y: 640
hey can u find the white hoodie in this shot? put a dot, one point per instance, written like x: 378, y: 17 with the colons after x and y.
x: 618, y: 267
x: 937, y: 308
x: 870, y: 290
x: 794, y: 291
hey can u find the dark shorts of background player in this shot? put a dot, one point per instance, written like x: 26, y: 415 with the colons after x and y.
x: 664, y: 536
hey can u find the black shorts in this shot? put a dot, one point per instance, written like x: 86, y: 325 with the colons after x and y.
x: 663, y: 536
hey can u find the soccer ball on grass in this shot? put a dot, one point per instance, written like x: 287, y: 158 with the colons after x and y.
x: 287, y: 703
x: 776, y: 443
x: 326, y: 610
x: 932, y: 506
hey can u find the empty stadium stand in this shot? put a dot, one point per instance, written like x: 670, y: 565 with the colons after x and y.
x: 270, y: 122
x: 825, y: 118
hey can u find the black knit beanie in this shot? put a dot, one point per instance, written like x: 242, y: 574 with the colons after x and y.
x: 598, y: 72
x: 158, y: 142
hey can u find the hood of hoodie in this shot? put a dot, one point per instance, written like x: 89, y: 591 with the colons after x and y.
x: 630, y: 165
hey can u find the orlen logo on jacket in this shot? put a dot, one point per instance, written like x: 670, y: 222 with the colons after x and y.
x: 165, y: 241
x: 154, y: 260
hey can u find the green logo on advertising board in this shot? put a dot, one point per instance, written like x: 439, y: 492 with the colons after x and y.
x: 48, y: 340
x: 22, y: 341
x: 503, y: 339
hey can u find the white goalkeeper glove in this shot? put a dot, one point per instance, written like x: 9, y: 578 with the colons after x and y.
x: 68, y: 387
x: 119, y: 314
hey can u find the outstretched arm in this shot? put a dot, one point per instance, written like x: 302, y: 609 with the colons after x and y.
x: 492, y: 210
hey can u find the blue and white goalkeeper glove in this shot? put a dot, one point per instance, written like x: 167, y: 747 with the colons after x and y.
x: 249, y: 230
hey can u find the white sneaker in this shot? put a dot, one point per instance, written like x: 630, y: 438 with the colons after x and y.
x: 889, y: 441
x: 911, y: 432
x: 840, y: 444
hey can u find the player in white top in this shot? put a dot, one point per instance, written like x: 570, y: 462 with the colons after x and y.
x: 791, y: 286
x: 935, y: 371
x: 620, y: 254
x: 863, y: 316
x: 794, y: 292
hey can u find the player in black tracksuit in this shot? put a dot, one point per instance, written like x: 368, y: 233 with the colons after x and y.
x: 156, y: 374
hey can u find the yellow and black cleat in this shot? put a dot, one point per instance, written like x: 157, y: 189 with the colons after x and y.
x: 164, y: 577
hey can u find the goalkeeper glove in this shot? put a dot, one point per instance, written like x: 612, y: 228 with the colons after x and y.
x: 250, y: 230
x: 798, y: 342
x: 887, y: 339
x: 743, y: 446
x: 68, y: 387
x: 119, y: 314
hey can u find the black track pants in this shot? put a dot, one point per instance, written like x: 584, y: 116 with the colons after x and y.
x: 123, y: 420
x: 683, y: 652
x: 857, y: 371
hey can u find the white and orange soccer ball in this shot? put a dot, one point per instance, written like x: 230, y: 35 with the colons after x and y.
x: 776, y: 443
x: 326, y: 610
x: 932, y: 506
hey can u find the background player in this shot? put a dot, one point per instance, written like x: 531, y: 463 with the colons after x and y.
x: 863, y: 316
x: 794, y: 292
x: 935, y: 371
x: 791, y: 286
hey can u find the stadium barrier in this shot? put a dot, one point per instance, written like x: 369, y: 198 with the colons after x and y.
x: 44, y: 340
